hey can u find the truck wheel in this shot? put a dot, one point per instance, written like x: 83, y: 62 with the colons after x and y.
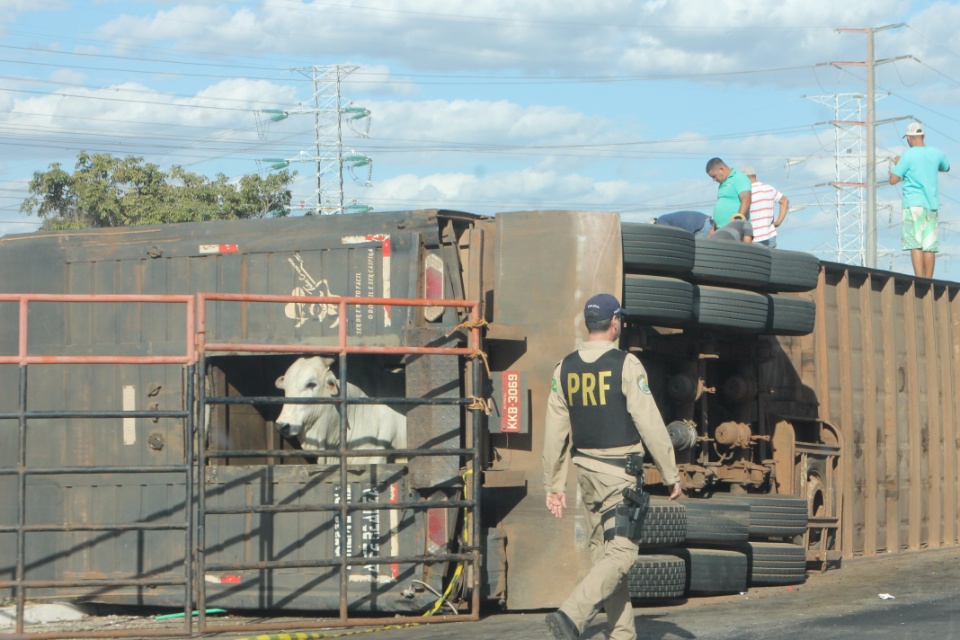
x: 716, y: 523
x: 730, y: 309
x: 656, y: 248
x: 792, y: 271
x: 656, y: 300
x: 714, y: 571
x: 773, y: 563
x: 657, y: 576
x: 773, y: 516
x: 665, y: 525
x: 737, y: 263
x: 790, y: 316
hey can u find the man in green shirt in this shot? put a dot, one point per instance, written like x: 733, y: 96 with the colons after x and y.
x: 918, y: 168
x: 733, y: 195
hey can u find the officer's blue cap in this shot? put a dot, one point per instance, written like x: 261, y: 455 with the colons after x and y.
x: 602, y: 306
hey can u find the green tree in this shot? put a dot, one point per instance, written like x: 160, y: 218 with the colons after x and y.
x: 106, y: 191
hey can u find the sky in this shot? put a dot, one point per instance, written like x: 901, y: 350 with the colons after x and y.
x: 495, y: 105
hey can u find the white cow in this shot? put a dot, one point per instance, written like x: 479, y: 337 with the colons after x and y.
x: 369, y: 426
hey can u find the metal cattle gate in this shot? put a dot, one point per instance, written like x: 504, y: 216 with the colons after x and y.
x: 197, y: 466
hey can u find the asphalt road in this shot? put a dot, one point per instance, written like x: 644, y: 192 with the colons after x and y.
x: 841, y: 604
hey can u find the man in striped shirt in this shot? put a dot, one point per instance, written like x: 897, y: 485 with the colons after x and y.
x: 762, y: 199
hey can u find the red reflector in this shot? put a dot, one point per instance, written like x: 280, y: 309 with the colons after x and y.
x: 437, y: 526
x: 433, y: 285
x: 218, y: 248
x: 230, y: 579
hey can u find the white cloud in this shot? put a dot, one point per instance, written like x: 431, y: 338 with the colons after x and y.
x: 613, y: 37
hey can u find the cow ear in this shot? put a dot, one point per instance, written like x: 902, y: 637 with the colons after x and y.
x: 328, y: 361
x: 279, y: 382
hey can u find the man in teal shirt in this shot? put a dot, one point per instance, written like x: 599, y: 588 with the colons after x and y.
x: 918, y: 168
x: 733, y: 195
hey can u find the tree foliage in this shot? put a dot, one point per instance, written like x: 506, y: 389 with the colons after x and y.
x: 106, y: 191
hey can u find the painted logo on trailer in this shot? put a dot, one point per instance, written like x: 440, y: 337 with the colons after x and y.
x: 302, y: 312
x: 643, y: 384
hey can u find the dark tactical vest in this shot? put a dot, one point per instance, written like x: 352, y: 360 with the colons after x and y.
x: 593, y: 392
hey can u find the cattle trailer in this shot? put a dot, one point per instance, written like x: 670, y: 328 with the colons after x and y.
x: 137, y: 408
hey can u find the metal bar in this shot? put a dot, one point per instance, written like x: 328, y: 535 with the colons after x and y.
x: 94, y: 360
x: 49, y: 471
x: 342, y: 506
x: 185, y: 299
x: 62, y: 528
x: 891, y: 475
x: 846, y: 421
x: 96, y: 582
x: 21, y: 491
x: 822, y: 354
x: 200, y: 553
x: 352, y: 453
x: 872, y: 489
x: 914, y: 424
x: 188, y: 436
x: 476, y: 340
x: 332, y: 400
x: 99, y: 414
x: 342, y: 473
x: 340, y: 562
x: 313, y: 349
x: 933, y: 479
x: 340, y: 302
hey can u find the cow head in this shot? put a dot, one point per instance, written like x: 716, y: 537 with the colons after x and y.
x: 309, y: 378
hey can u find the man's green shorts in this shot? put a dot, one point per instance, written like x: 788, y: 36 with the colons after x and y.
x: 920, y: 229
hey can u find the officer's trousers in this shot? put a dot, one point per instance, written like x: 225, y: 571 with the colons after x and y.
x: 605, y: 586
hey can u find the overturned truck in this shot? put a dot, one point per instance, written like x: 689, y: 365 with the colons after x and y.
x: 145, y: 371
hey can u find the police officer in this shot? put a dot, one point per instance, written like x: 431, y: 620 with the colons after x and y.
x: 599, y: 411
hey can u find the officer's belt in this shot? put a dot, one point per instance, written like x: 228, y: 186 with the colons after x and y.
x: 620, y: 463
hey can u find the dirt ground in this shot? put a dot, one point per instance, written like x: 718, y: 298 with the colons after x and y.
x: 853, y: 589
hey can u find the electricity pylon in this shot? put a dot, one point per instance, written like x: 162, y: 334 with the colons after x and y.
x: 329, y: 115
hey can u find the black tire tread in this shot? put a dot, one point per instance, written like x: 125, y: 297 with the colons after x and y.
x: 790, y: 316
x: 665, y: 525
x: 652, y: 248
x: 716, y: 523
x: 714, y: 571
x: 773, y: 516
x: 792, y: 271
x: 730, y: 309
x: 657, y: 576
x: 658, y: 300
x: 731, y: 263
x: 774, y: 563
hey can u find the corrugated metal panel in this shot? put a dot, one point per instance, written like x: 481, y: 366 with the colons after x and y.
x: 886, y: 369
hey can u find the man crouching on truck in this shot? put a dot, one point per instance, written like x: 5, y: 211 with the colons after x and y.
x: 600, y: 410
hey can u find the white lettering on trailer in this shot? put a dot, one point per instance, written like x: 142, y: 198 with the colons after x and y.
x: 511, y: 402
x: 369, y: 536
x: 384, y: 240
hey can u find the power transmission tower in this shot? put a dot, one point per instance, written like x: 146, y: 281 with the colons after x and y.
x: 848, y: 181
x: 870, y: 126
x: 329, y: 116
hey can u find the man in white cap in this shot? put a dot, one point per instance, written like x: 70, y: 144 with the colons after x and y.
x: 762, y: 198
x: 599, y: 411
x: 918, y: 169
